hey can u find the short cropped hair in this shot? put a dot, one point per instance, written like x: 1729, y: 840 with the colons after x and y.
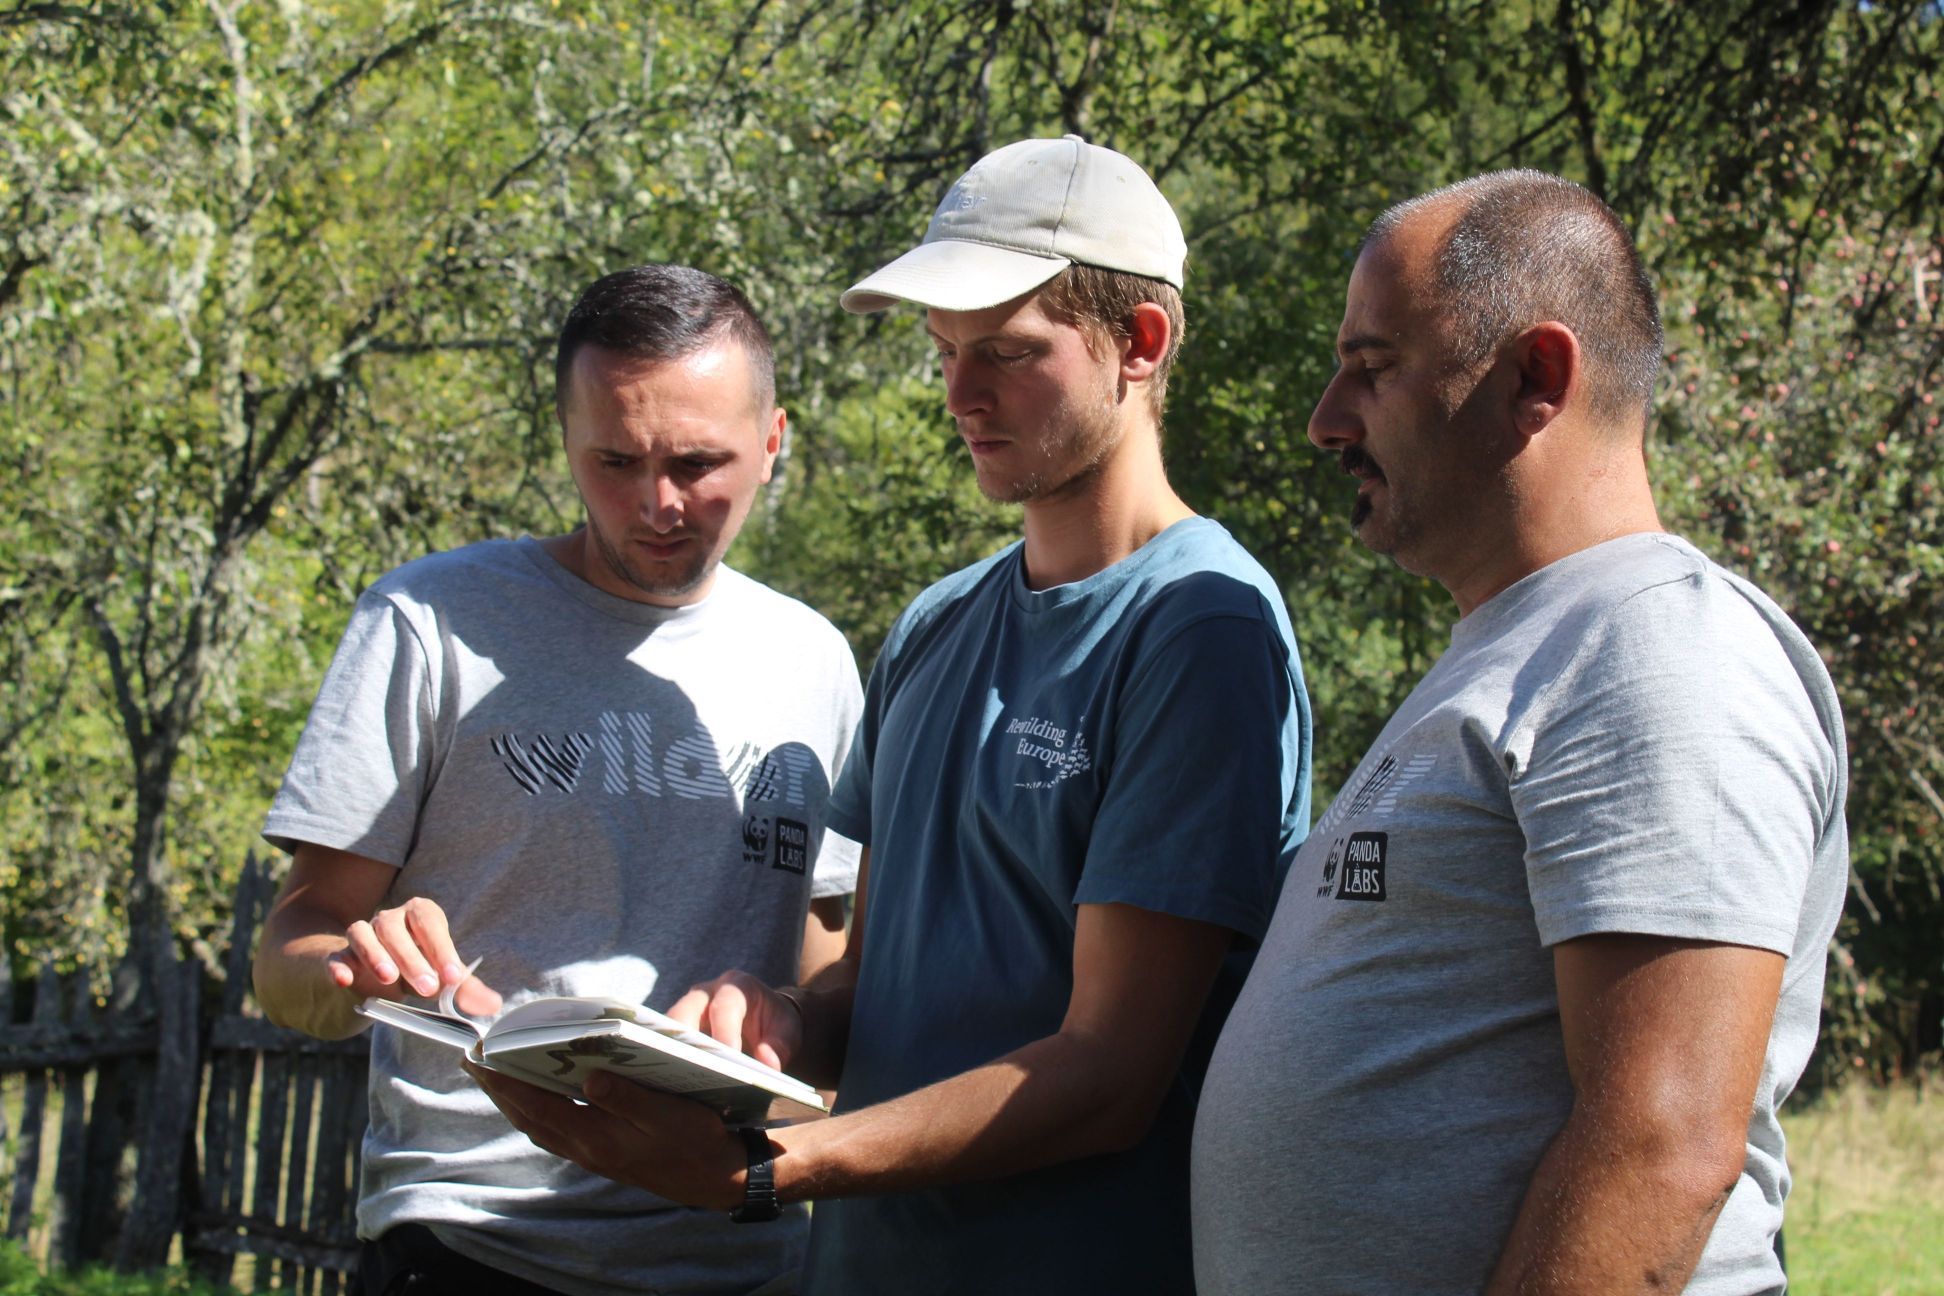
x: 1528, y: 247
x: 660, y: 313
x: 1100, y: 303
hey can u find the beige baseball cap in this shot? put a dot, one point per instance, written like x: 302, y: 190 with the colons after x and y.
x: 1021, y: 215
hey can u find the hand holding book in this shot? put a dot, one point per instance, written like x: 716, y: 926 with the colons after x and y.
x: 739, y: 1010
x: 556, y: 1044
x: 408, y: 949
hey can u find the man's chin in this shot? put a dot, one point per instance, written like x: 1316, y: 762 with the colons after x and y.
x: 1368, y: 530
x: 680, y: 587
x: 674, y: 587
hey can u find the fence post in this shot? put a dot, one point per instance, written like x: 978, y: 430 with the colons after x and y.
x: 32, y: 1112
x: 217, y: 1191
x: 113, y: 1111
x: 157, y: 1211
x: 71, y: 1163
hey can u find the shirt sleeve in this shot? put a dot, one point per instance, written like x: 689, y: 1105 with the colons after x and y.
x: 850, y: 800
x: 362, y: 767
x: 1673, y: 782
x: 836, y: 869
x: 1206, y: 748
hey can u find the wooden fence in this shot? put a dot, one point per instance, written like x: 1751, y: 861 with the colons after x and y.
x: 260, y: 1161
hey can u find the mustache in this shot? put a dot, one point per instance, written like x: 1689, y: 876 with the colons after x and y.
x: 1356, y: 461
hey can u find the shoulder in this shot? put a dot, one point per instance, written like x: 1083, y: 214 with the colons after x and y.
x: 784, y: 618
x: 1637, y: 591
x: 1197, y: 566
x: 1660, y: 591
x: 484, y: 566
x: 1647, y: 632
x: 1194, y: 577
x: 943, y: 602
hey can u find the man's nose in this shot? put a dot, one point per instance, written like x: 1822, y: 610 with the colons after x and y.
x: 663, y: 505
x: 966, y: 391
x: 1332, y: 426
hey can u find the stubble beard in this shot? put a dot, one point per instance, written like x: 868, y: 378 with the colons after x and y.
x: 685, y: 581
x: 1084, y: 430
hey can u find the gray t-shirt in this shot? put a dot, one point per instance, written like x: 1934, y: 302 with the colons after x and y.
x: 1629, y: 740
x: 606, y: 798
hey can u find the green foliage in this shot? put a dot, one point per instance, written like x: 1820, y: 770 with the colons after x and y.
x: 277, y: 287
x: 21, y: 1276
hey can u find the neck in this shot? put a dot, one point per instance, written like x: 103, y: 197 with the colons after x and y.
x: 1095, y: 521
x: 1555, y: 511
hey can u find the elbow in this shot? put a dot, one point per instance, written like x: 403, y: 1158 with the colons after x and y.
x: 1712, y: 1163
x: 1112, y: 1094
x: 1118, y: 1133
x: 1120, y: 1119
x: 263, y: 982
x: 295, y: 1002
x: 263, y: 986
x: 1685, y: 1151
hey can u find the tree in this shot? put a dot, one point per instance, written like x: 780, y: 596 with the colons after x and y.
x: 278, y: 286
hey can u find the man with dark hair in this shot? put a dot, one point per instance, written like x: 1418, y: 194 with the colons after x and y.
x: 1080, y: 767
x: 1548, y: 966
x: 585, y: 761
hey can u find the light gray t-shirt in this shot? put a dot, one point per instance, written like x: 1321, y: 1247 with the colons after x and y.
x: 1629, y: 740
x: 606, y: 798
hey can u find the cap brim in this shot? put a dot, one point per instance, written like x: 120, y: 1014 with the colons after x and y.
x: 954, y: 275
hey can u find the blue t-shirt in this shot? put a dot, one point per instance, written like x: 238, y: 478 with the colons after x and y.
x: 1139, y: 737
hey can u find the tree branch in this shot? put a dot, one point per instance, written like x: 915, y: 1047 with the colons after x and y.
x: 1579, y: 98
x: 132, y: 716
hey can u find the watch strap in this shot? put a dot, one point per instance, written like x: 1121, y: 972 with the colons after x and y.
x: 759, y: 1188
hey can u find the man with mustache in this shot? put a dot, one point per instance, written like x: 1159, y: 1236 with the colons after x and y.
x: 1546, y: 969
x: 1080, y: 767
x: 599, y: 762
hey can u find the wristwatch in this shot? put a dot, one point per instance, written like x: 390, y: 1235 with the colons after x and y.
x: 759, y: 1189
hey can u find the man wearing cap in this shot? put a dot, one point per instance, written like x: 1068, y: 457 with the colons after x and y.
x: 1081, y: 767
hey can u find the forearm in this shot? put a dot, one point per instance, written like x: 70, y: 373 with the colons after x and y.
x: 825, y: 1004
x: 1140, y: 981
x: 1617, y: 1205
x: 1057, y: 1099
x: 292, y: 977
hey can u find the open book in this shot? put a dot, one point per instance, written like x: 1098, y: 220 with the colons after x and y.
x: 557, y: 1043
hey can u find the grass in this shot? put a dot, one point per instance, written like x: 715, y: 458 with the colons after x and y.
x: 1866, y: 1217
x: 20, y: 1275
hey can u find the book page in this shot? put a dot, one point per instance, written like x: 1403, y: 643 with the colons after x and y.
x: 460, y: 1032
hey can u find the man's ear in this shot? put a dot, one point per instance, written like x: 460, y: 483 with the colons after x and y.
x: 779, y: 423
x: 1149, y: 335
x: 1548, y: 360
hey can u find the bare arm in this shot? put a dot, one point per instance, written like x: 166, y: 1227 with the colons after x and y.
x: 1665, y: 1041
x: 1140, y: 981
x: 823, y: 937
x: 326, y: 945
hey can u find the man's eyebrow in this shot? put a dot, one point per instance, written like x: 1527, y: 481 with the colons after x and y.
x: 1000, y: 335
x: 689, y: 451
x: 1364, y: 342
